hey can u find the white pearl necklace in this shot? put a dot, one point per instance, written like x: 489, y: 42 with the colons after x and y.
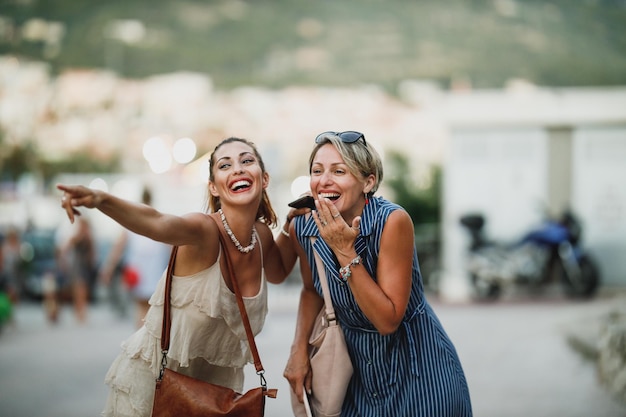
x: 230, y: 233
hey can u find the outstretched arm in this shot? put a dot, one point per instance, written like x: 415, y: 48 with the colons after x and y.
x: 139, y: 218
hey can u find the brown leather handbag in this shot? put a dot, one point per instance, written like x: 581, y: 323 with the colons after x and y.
x: 180, y: 395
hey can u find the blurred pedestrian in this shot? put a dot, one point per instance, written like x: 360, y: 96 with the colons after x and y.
x: 11, y: 277
x: 207, y: 330
x: 142, y: 261
x: 404, y: 363
x: 77, y: 257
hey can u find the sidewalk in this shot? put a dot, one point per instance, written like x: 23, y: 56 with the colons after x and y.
x: 601, y: 338
x: 515, y: 354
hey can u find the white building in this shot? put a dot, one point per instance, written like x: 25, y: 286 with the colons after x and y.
x: 515, y: 156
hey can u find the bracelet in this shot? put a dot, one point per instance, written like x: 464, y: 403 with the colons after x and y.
x: 282, y: 229
x: 346, y: 271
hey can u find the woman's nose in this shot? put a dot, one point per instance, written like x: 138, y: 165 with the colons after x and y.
x: 326, y: 178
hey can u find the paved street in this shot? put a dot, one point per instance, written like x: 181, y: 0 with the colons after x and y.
x: 515, y: 355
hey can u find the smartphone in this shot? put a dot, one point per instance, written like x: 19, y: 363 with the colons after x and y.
x: 302, y: 202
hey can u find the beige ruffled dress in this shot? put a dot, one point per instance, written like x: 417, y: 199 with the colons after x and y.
x: 208, y: 341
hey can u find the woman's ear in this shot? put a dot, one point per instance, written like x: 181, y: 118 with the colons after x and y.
x: 370, y: 181
x: 266, y: 180
x: 213, y: 189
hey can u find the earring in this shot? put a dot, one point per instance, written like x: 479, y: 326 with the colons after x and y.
x: 367, y: 200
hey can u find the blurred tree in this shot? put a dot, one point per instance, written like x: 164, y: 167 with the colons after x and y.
x: 17, y: 160
x: 279, y: 43
x: 422, y: 204
x: 79, y: 162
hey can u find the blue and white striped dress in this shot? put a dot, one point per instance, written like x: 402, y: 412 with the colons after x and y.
x: 413, y: 372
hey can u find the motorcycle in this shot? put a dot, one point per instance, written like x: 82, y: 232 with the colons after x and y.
x: 550, y: 252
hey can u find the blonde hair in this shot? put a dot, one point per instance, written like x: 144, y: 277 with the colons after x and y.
x: 361, y: 158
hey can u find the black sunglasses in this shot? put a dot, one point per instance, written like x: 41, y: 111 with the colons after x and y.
x: 349, y: 136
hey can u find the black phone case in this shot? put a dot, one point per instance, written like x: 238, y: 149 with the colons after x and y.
x: 306, y: 201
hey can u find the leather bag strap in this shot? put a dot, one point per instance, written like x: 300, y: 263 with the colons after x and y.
x: 165, y: 326
x: 321, y: 270
x: 165, y: 329
x: 242, y: 307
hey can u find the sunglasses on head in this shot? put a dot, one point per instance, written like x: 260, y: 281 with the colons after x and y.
x: 349, y: 136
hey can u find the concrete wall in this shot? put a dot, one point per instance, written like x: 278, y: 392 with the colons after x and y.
x: 599, y: 196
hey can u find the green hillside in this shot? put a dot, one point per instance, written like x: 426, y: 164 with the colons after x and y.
x: 335, y: 43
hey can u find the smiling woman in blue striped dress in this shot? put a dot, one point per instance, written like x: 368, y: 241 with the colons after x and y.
x: 404, y: 362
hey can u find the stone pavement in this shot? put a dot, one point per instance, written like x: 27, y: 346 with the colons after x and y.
x: 520, y: 354
x: 515, y: 353
x: 602, y: 339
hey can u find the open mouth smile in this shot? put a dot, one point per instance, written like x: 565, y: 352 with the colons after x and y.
x: 240, y: 185
x: 330, y: 196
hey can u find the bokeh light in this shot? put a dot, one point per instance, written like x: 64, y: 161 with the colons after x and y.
x: 300, y: 186
x: 157, y: 154
x: 99, y: 184
x: 184, y: 150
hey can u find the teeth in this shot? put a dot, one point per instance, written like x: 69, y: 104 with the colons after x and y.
x: 241, y: 183
x: 328, y: 195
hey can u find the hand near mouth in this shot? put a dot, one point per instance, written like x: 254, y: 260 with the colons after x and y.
x: 333, y: 228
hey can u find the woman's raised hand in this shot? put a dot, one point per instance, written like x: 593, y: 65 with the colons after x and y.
x: 77, y: 196
x: 338, y: 234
